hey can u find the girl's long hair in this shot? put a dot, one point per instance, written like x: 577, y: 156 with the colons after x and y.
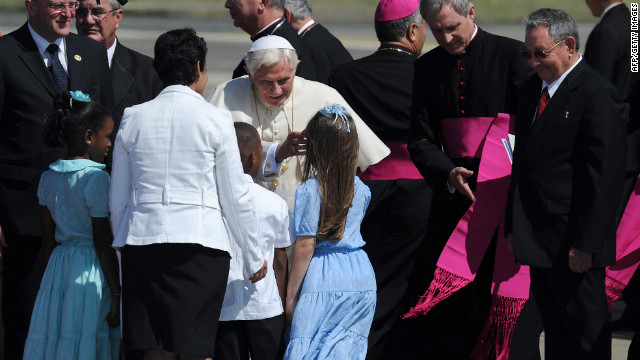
x: 332, y: 156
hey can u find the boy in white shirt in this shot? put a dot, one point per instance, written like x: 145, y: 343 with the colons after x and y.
x: 252, y: 317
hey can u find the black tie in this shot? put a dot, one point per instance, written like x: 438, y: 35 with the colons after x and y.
x: 59, y: 75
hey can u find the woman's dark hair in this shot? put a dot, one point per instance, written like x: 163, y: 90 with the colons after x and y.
x: 332, y: 156
x: 71, y: 119
x: 176, y: 54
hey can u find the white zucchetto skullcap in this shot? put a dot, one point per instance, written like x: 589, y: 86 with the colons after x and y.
x: 270, y: 42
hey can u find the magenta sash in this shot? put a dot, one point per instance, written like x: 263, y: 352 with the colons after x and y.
x: 464, y: 137
x: 465, y: 249
x: 627, y: 248
x: 397, y: 165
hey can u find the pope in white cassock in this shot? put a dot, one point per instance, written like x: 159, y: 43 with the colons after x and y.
x: 280, y: 104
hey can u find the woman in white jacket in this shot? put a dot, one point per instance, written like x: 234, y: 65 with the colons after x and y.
x: 176, y: 174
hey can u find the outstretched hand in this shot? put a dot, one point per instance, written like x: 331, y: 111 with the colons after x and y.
x: 260, y: 274
x: 458, y: 178
x: 295, y: 144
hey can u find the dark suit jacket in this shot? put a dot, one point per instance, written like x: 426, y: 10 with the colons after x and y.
x: 26, y: 97
x: 326, y: 50
x: 608, y: 49
x: 378, y: 89
x: 134, y: 80
x: 568, y: 171
x: 306, y: 69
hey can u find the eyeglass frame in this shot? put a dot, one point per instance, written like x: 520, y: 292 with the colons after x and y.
x: 81, y: 14
x: 540, y: 55
x: 60, y: 7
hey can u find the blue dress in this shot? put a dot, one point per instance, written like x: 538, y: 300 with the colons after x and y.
x: 69, y: 316
x: 338, y: 295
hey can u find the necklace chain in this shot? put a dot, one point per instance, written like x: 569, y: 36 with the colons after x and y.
x: 307, y: 29
x: 285, y: 163
x: 395, y: 49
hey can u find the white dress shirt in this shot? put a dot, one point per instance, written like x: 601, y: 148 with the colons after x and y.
x: 244, y: 300
x: 42, y: 45
x: 176, y: 172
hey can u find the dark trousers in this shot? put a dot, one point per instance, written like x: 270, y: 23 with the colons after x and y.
x: 525, y: 343
x: 258, y: 339
x: 172, y: 295
x: 22, y: 272
x: 574, y: 312
x: 393, y: 228
x: 451, y: 329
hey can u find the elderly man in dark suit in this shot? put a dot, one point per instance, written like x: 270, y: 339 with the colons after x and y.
x: 37, y: 61
x: 326, y: 50
x: 134, y: 79
x: 568, y: 172
x: 266, y: 17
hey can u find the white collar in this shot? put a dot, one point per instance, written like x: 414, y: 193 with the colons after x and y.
x: 111, y: 51
x: 271, y: 23
x: 42, y: 43
x: 305, y: 26
x: 556, y: 84
x: 181, y: 89
x: 475, y: 32
x: 609, y: 8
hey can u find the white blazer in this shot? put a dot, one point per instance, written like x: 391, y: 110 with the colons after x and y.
x: 176, y: 172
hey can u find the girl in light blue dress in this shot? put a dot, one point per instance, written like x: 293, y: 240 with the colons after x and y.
x: 331, y: 295
x: 76, y: 314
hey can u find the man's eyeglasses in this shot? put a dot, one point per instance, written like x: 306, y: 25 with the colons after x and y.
x: 60, y: 7
x: 98, y: 14
x: 540, y: 54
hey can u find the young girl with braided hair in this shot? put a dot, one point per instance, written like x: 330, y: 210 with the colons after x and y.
x: 77, y: 311
x: 331, y: 295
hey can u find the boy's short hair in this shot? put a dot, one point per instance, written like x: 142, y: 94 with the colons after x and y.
x: 248, y: 137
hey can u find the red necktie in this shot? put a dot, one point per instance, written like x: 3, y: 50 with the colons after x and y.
x: 544, y: 99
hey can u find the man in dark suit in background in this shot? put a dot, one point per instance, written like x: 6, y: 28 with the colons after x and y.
x: 266, y: 17
x: 378, y: 88
x: 134, y: 78
x: 608, y: 49
x: 326, y: 50
x: 37, y: 61
x: 566, y: 184
x: 608, y: 52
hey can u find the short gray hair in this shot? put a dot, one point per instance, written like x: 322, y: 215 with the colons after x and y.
x: 559, y: 23
x: 269, y: 57
x: 433, y: 7
x: 395, y: 30
x: 300, y: 9
x: 277, y: 4
x: 115, y: 5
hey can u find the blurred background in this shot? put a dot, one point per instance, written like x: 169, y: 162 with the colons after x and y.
x: 349, y: 20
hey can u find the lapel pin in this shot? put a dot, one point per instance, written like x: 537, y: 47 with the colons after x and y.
x: 566, y: 114
x: 77, y: 57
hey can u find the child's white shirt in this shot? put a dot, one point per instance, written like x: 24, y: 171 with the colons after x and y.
x: 244, y: 300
